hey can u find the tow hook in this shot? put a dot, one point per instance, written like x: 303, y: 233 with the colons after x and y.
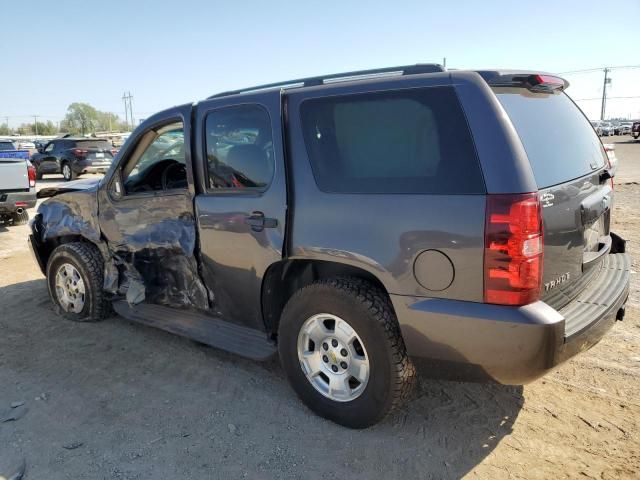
x: 621, y: 312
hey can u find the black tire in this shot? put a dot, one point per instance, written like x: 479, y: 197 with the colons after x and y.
x: 68, y: 174
x: 38, y: 174
x: 87, y: 260
x: 20, y: 218
x: 369, y: 312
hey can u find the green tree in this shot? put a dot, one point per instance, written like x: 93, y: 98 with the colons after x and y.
x: 82, y: 118
x: 4, y: 129
x: 44, y: 128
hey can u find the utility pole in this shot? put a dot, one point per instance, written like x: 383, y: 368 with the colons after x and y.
x: 7, y: 122
x: 128, y: 108
x: 35, y: 122
x: 444, y: 62
x: 607, y: 81
x: 126, y: 113
x: 133, y: 122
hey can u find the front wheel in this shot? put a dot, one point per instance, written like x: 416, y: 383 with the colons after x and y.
x: 75, y: 280
x: 341, y: 347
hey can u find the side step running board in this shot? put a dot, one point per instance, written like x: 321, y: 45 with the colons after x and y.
x: 212, y: 331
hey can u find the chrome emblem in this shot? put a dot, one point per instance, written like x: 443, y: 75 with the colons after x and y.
x: 557, y: 281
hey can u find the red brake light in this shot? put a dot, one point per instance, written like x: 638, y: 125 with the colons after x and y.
x: 513, y: 249
x: 31, y: 171
x: 79, y: 152
x: 546, y: 82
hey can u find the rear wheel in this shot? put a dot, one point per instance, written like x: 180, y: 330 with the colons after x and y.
x: 340, y: 345
x: 21, y: 218
x: 67, y: 172
x: 75, y: 280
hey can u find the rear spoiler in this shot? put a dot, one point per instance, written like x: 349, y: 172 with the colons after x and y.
x: 534, y: 81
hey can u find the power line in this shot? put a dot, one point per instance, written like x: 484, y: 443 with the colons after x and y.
x: 589, y: 70
x: 600, y: 98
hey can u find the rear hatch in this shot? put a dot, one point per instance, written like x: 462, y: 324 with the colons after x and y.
x: 96, y: 152
x: 572, y: 173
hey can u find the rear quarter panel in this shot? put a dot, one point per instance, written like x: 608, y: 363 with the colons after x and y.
x: 384, y: 234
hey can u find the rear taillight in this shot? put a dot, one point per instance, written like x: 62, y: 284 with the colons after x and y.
x: 513, y: 249
x: 31, y: 171
x: 79, y: 152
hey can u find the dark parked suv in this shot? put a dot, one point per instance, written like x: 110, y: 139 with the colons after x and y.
x: 357, y: 224
x: 73, y: 156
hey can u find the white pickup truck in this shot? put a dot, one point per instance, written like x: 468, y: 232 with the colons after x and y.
x: 17, y: 184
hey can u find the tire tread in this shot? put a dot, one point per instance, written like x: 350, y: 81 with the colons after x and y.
x: 93, y: 263
x: 378, y: 305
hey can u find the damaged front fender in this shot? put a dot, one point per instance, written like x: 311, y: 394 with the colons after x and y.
x: 148, y: 246
x: 69, y: 213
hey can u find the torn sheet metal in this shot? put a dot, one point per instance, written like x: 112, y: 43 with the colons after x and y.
x: 148, y: 247
x: 153, y: 240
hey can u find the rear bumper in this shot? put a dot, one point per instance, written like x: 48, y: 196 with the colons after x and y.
x: 24, y: 200
x: 89, y: 166
x: 511, y: 345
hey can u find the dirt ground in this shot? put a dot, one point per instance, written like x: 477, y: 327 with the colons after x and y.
x: 116, y: 400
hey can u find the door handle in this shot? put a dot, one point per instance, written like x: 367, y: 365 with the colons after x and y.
x: 259, y: 222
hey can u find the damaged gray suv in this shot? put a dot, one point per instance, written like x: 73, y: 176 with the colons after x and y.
x: 358, y: 225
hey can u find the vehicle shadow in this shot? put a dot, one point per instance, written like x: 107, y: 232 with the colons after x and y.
x: 141, y: 383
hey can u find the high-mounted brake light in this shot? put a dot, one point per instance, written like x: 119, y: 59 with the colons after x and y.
x: 513, y: 249
x: 546, y: 82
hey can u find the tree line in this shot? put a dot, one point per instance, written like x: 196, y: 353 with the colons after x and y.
x: 80, y: 119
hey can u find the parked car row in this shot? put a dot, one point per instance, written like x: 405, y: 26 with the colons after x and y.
x: 607, y: 129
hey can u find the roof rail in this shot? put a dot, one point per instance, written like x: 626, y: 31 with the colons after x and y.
x: 337, y: 77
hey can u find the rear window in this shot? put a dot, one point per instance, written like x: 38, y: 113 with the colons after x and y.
x: 409, y: 141
x: 7, y: 146
x: 99, y: 144
x: 560, y: 142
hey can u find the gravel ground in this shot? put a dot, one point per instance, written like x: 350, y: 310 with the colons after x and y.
x: 116, y: 400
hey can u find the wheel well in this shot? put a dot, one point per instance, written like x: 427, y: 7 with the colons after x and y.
x: 285, y: 278
x: 50, y: 245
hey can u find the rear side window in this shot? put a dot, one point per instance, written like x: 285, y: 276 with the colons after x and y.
x: 409, y: 141
x: 7, y: 146
x: 560, y: 142
x: 240, y: 153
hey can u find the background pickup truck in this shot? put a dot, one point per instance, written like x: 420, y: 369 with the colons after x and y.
x: 17, y: 186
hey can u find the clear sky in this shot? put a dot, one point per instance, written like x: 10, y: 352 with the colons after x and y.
x: 171, y: 52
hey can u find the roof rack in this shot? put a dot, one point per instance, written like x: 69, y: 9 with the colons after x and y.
x: 338, y: 77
